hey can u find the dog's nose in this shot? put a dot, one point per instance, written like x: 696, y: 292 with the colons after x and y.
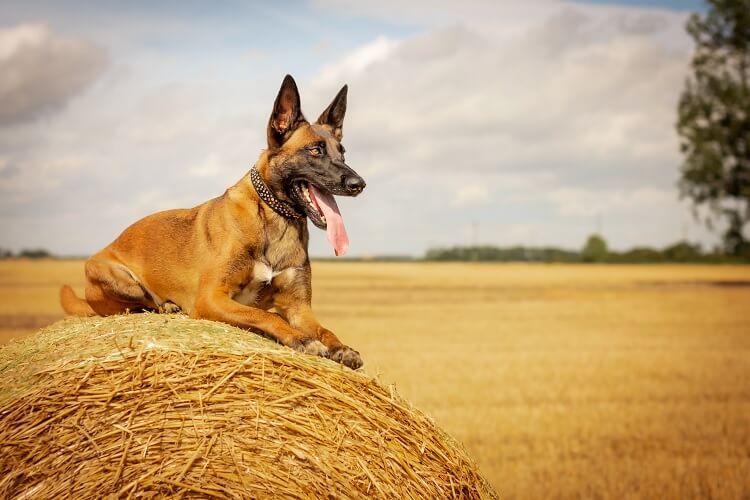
x: 354, y: 183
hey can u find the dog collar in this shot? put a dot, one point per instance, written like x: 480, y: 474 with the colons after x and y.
x: 280, y: 207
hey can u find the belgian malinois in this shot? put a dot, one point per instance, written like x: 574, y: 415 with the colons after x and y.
x: 238, y: 256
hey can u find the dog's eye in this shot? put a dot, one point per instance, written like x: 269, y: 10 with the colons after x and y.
x: 315, y: 150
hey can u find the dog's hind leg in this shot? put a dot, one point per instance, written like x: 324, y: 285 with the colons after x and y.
x: 113, y: 289
x: 169, y: 308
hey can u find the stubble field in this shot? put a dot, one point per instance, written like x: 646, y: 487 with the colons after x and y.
x: 562, y: 381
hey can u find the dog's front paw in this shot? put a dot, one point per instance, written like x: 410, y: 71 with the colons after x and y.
x: 347, y: 357
x: 312, y: 347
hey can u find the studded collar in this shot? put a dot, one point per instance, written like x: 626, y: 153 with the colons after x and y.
x: 280, y: 207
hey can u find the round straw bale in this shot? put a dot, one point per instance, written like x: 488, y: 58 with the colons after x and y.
x: 149, y: 405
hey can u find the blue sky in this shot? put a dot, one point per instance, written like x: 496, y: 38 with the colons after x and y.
x: 528, y: 121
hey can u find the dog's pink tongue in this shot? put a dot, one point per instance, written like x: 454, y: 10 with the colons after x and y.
x: 335, y: 230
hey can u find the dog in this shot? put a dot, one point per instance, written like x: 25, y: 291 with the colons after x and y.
x: 241, y: 258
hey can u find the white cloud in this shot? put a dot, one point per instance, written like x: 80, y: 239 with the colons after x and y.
x: 27, y: 179
x: 529, y: 117
x: 562, y: 109
x: 355, y: 62
x: 210, y: 167
x: 587, y: 202
x: 570, y: 88
x: 471, y: 195
x: 436, y: 12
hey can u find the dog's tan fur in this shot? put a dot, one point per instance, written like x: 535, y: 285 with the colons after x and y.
x: 231, y: 259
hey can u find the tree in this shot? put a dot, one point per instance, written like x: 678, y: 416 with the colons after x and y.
x: 34, y: 253
x: 714, y: 119
x: 595, y: 249
x: 641, y: 255
x: 682, y: 251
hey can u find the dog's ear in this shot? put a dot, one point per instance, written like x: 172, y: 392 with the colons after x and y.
x: 286, y: 115
x: 334, y: 113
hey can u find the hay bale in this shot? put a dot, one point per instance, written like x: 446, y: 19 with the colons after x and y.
x: 150, y: 406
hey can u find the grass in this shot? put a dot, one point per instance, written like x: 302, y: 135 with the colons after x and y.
x: 561, y: 381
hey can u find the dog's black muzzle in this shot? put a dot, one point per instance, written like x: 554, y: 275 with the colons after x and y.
x: 351, y: 183
x: 354, y: 184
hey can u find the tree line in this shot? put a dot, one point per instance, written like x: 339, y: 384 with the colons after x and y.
x: 594, y: 250
x: 27, y: 253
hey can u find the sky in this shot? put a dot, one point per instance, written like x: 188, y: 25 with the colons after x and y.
x: 478, y: 122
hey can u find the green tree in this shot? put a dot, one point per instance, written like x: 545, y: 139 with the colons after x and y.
x: 714, y: 119
x: 682, y: 251
x: 595, y: 249
x: 34, y: 253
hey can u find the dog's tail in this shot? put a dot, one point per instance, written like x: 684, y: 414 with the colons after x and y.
x: 74, y: 305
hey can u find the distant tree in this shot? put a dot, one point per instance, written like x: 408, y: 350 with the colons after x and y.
x: 510, y: 254
x: 551, y: 254
x: 5, y: 253
x: 682, y: 251
x: 595, y: 249
x: 643, y: 254
x: 637, y: 255
x: 714, y: 119
x: 35, y: 253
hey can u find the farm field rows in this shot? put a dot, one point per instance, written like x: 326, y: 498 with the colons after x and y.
x: 562, y: 381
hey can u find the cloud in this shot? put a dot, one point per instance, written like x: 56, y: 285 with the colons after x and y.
x: 41, y: 70
x: 553, y: 81
x: 525, y: 119
x: 436, y: 12
x: 210, y: 167
x: 471, y: 195
x: 585, y: 202
x: 23, y: 180
x: 356, y: 61
x: 571, y: 91
x: 563, y: 112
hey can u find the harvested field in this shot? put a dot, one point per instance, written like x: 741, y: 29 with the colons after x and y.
x: 561, y: 381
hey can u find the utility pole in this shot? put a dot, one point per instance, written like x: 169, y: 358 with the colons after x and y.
x: 474, y: 231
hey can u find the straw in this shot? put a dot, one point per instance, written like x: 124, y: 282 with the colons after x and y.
x: 148, y: 405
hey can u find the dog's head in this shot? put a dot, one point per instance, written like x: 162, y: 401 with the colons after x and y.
x: 306, y: 160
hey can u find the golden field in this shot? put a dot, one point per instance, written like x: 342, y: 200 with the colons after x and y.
x: 562, y: 381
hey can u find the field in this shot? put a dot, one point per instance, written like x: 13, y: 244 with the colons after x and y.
x: 561, y: 381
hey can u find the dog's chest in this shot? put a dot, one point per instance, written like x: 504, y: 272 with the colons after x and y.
x: 262, y: 279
